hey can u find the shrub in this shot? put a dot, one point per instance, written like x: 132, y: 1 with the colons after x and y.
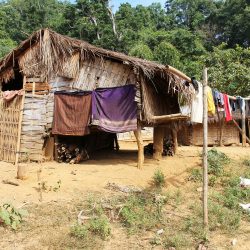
x: 159, y: 178
x: 216, y: 162
x: 11, y: 216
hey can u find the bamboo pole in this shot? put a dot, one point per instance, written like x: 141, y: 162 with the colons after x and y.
x: 21, y: 171
x: 204, y: 162
x: 139, y: 140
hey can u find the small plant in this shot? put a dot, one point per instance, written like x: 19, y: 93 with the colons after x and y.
x: 11, y: 216
x: 177, y: 241
x: 79, y: 231
x: 196, y: 175
x: 159, y: 178
x: 100, y: 226
x: 216, y: 162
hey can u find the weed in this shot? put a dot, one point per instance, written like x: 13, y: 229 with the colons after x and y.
x: 222, y: 217
x: 79, y: 231
x: 159, y: 178
x: 216, y: 162
x: 212, y: 180
x: 195, y: 175
x: 177, y: 241
x: 100, y: 226
x: 141, y: 212
x: 11, y: 216
x: 246, y: 162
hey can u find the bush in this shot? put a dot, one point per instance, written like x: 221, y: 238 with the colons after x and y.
x: 216, y: 162
x: 159, y: 178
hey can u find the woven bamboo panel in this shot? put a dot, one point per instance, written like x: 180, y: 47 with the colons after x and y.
x: 101, y: 74
x: 230, y: 134
x: 9, y: 117
x: 33, y: 128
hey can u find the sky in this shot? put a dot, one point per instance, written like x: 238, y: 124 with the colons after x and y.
x: 116, y: 3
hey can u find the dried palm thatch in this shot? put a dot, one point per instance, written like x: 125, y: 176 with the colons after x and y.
x: 47, y: 53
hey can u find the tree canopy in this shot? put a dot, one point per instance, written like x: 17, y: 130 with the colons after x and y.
x: 187, y: 34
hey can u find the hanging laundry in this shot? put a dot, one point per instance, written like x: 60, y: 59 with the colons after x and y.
x: 210, y: 101
x: 72, y: 113
x: 197, y: 106
x: 241, y: 103
x: 114, y: 109
x: 228, y: 113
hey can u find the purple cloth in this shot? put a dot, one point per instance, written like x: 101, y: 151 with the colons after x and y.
x: 114, y: 109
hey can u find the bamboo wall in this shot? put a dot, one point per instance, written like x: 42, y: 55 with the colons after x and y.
x: 33, y: 128
x: 9, y: 118
x: 193, y: 134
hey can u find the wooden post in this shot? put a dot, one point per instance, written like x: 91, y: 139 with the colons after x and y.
x: 21, y: 171
x: 55, y: 147
x: 175, y: 140
x: 240, y: 130
x: 243, y: 121
x: 158, y: 143
x: 204, y: 162
x: 139, y: 140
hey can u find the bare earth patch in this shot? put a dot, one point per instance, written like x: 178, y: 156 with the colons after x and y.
x: 54, y: 210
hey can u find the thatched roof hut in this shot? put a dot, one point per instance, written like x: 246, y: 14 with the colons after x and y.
x: 47, y: 62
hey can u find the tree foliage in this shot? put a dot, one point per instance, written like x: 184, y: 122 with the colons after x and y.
x: 186, y: 34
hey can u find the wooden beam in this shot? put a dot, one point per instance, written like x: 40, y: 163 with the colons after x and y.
x: 139, y: 140
x: 240, y: 130
x: 205, y: 146
x: 21, y: 171
x: 167, y: 118
x: 158, y: 143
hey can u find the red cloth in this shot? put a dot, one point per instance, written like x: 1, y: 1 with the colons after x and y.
x: 227, y: 108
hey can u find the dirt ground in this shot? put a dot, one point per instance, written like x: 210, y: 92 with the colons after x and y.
x: 77, y: 181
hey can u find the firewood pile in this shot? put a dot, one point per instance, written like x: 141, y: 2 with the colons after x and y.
x: 71, y: 153
x: 168, y: 148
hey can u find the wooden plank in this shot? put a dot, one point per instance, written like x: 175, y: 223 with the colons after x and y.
x: 28, y: 80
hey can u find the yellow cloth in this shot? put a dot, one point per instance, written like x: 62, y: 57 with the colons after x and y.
x: 210, y: 101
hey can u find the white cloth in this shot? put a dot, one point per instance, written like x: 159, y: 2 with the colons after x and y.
x: 244, y: 182
x: 245, y: 206
x: 197, y: 106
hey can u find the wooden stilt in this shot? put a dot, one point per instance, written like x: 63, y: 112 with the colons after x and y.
x: 21, y: 170
x: 158, y: 142
x: 175, y: 140
x: 139, y: 140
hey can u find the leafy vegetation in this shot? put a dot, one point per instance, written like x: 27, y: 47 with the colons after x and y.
x: 159, y: 178
x: 216, y: 161
x: 11, y: 216
x: 184, y: 33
